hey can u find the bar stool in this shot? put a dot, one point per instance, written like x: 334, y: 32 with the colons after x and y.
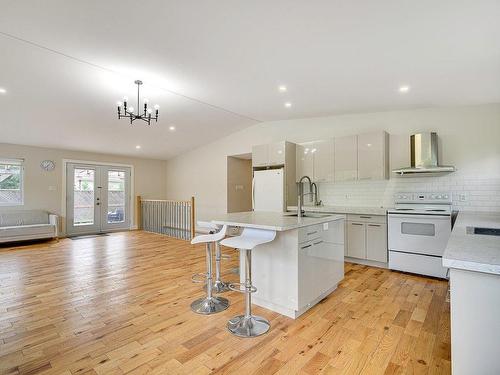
x: 248, y: 325
x: 218, y: 286
x: 209, y: 304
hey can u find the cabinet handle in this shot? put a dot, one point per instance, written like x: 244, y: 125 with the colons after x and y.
x: 374, y: 225
x: 305, y: 247
x: 317, y: 243
x: 365, y: 217
x: 311, y: 233
x: 356, y: 224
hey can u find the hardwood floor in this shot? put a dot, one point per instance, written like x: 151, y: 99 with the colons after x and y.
x: 120, y: 304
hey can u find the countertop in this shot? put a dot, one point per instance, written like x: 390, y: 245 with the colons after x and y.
x: 344, y: 209
x: 474, y: 252
x: 271, y: 220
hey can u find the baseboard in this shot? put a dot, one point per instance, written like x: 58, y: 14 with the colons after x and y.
x: 366, y: 262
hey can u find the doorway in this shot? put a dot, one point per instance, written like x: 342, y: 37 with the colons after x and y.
x: 97, y: 198
x: 239, y: 183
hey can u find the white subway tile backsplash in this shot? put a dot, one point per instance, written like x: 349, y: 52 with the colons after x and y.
x: 468, y: 193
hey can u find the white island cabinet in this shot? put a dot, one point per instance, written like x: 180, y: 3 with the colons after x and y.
x: 301, y: 266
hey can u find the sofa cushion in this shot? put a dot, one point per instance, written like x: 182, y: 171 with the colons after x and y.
x: 27, y: 230
x: 27, y: 217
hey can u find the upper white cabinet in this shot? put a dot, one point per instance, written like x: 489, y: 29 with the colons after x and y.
x: 373, y: 156
x: 315, y: 159
x: 346, y: 158
x: 269, y: 154
x: 260, y: 155
x: 305, y: 161
x: 323, y: 160
x: 276, y: 153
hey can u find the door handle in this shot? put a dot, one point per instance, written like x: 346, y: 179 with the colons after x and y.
x: 305, y: 247
x: 253, y: 193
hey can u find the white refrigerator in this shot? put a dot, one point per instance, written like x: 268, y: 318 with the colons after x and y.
x: 268, y: 193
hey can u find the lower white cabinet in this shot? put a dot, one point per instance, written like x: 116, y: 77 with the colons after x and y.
x: 376, y: 242
x: 356, y: 239
x: 367, y: 237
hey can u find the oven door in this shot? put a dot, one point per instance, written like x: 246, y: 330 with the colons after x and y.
x: 419, y: 234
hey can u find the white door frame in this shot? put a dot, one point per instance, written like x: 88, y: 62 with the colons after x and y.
x: 93, y: 162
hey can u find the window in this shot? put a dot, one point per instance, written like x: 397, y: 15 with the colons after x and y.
x: 11, y: 182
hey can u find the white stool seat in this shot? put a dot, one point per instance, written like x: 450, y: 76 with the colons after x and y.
x: 249, y: 238
x: 215, y: 237
x: 208, y: 225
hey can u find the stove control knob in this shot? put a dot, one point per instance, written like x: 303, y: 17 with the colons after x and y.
x: 433, y: 196
x: 439, y: 197
x: 445, y: 196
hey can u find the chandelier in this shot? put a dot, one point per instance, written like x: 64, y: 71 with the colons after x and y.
x: 128, y: 112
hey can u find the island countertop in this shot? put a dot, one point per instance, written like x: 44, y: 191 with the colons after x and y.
x: 474, y: 252
x: 271, y: 220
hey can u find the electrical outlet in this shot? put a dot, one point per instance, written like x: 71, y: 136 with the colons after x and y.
x: 462, y: 197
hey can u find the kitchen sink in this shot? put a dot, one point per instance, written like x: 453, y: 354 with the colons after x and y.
x: 483, y: 231
x: 309, y: 214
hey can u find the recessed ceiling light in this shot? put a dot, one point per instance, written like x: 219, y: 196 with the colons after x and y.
x: 2, y: 90
x: 404, y: 88
x: 138, y: 147
x: 282, y: 88
x: 171, y: 128
x: 288, y: 104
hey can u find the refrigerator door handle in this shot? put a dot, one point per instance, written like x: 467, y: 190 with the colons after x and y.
x: 253, y: 194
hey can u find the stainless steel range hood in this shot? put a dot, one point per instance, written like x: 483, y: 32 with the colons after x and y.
x: 424, y: 156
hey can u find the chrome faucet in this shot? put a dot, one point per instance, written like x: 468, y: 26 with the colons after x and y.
x: 300, y: 195
x: 315, y: 194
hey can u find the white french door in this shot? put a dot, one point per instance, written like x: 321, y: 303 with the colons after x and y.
x: 97, y: 198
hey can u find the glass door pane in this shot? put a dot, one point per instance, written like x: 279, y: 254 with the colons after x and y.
x: 84, y: 197
x: 115, y: 208
x: 116, y: 197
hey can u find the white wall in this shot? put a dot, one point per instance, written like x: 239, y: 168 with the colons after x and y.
x: 469, y: 139
x: 149, y: 175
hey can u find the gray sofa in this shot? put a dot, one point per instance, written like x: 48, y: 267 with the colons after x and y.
x: 27, y: 225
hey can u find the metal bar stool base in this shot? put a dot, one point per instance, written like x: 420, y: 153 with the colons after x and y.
x: 219, y: 287
x: 248, y: 327
x: 207, y: 306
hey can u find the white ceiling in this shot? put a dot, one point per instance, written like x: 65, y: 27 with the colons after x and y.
x: 214, y: 67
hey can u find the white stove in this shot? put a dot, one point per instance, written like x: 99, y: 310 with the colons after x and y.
x: 418, y: 231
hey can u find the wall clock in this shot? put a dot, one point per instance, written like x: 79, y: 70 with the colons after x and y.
x: 47, y: 165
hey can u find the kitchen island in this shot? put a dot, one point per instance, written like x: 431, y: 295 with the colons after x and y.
x: 303, y: 264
